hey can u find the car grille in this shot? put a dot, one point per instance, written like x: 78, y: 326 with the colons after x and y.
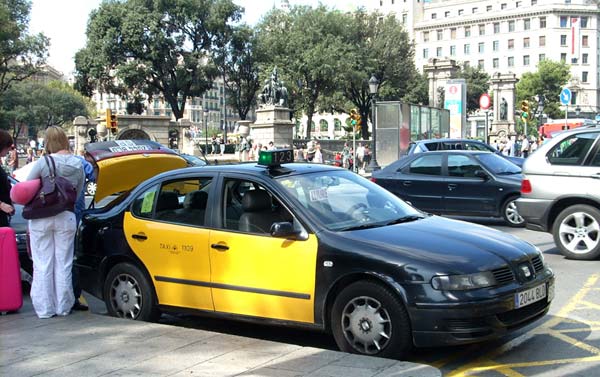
x: 503, y: 275
x: 538, y: 264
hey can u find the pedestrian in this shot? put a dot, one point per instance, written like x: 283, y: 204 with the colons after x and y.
x: 271, y: 146
x: 360, y: 155
x: 533, y: 145
x: 346, y: 156
x: 30, y: 155
x: 310, y: 151
x: 12, y: 160
x: 6, y: 207
x: 52, y: 238
x: 222, y: 145
x: 244, y: 149
x: 214, y: 144
x: 318, y: 158
x: 525, y: 147
x: 367, y: 157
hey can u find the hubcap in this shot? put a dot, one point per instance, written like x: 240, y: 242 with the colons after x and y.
x: 91, y: 188
x: 125, y: 296
x: 366, y: 324
x: 578, y: 233
x: 512, y: 214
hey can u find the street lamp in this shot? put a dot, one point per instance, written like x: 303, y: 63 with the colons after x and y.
x: 373, y: 88
x: 540, y: 109
x: 205, y: 132
x: 577, y: 110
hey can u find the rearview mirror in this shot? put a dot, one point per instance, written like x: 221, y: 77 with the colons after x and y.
x: 285, y: 230
x: 481, y: 174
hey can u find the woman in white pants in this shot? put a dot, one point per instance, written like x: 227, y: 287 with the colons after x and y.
x: 52, y: 238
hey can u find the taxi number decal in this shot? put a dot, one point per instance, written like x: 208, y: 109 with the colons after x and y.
x: 176, y: 249
x: 318, y: 195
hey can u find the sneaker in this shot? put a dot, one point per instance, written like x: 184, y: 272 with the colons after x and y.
x: 79, y: 306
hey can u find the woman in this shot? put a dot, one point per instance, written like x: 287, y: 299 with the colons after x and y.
x: 52, y: 237
x: 6, y: 208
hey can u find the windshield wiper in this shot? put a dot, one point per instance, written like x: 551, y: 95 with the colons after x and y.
x: 360, y: 227
x: 405, y: 219
x: 509, y: 172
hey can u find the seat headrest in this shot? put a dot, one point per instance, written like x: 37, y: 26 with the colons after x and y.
x: 256, y: 200
x: 196, y: 200
x: 167, y: 200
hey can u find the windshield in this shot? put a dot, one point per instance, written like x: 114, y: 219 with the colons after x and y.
x: 497, y: 164
x: 342, y: 200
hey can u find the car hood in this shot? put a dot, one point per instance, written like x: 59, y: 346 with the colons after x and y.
x: 120, y: 165
x: 459, y: 246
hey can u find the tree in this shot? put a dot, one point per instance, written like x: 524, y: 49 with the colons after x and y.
x: 478, y: 82
x: 21, y: 54
x: 548, y: 80
x: 155, y: 47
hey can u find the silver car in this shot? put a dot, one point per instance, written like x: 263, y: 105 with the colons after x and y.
x: 560, y: 192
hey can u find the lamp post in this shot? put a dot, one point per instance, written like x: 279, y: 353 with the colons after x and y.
x: 373, y: 88
x: 577, y: 111
x: 205, y: 132
x: 540, y: 109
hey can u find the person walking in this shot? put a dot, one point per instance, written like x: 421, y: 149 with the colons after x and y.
x: 30, y: 156
x: 6, y: 207
x: 13, y: 159
x: 222, y: 145
x: 52, y: 238
x: 525, y: 147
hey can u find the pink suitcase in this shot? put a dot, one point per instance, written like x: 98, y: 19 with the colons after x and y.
x: 11, y: 296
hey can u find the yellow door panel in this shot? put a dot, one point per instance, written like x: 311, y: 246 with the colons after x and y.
x: 264, y: 276
x: 177, y: 259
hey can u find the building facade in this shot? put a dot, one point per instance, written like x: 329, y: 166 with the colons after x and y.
x: 508, y: 36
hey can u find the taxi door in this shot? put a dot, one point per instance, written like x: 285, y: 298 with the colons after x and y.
x: 172, y: 244
x: 258, y: 275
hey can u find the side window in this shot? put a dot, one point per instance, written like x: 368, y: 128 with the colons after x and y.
x: 572, y: 150
x: 250, y: 208
x: 426, y: 165
x: 432, y: 146
x: 462, y: 166
x: 477, y: 147
x: 143, y: 205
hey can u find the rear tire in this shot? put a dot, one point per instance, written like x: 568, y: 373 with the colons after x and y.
x: 510, y: 214
x: 576, y: 232
x: 128, y: 294
x: 369, y: 319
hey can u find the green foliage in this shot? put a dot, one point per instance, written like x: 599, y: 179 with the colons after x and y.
x: 154, y: 47
x: 548, y: 80
x: 477, y: 84
x: 21, y: 54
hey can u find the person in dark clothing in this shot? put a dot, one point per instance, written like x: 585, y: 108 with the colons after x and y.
x: 6, y: 207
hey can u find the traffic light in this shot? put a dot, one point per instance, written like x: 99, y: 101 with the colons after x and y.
x: 111, y: 121
x: 355, y: 120
x: 525, y: 113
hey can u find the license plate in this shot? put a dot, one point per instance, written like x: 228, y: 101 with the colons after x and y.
x: 530, y: 296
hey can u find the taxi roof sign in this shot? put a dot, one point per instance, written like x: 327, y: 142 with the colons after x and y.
x: 275, y: 157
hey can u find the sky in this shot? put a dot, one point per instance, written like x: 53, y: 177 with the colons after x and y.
x: 64, y: 22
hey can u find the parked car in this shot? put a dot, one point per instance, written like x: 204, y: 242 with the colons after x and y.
x: 560, y: 192
x: 458, y: 144
x: 458, y: 182
x: 305, y: 245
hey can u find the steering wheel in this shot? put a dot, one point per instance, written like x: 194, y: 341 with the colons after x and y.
x: 357, y: 211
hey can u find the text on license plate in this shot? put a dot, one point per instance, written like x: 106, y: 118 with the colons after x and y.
x: 530, y: 296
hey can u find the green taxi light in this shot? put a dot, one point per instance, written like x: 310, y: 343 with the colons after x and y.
x: 275, y: 157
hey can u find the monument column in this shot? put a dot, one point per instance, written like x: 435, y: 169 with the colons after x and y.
x: 503, y: 87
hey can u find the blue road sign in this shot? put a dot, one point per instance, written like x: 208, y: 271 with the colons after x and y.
x: 565, y: 96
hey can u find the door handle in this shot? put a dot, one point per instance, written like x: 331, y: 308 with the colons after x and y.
x: 596, y: 176
x: 452, y: 186
x: 139, y: 236
x: 219, y: 247
x: 406, y: 183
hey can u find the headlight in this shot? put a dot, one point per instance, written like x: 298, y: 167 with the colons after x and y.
x: 463, y: 282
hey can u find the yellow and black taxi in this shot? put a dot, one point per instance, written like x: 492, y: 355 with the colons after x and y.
x: 302, y: 245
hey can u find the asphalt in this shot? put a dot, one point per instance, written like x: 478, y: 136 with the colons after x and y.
x: 90, y: 344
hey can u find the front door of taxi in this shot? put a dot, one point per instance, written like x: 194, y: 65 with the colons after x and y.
x: 258, y: 275
x: 169, y: 238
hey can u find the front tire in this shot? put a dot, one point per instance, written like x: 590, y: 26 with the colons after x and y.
x: 90, y: 188
x: 575, y: 232
x: 510, y: 214
x: 127, y: 294
x: 369, y: 319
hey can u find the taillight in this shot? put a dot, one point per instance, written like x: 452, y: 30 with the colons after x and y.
x: 525, y: 186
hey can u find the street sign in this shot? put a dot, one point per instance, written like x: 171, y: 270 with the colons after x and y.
x: 565, y: 96
x: 484, y: 101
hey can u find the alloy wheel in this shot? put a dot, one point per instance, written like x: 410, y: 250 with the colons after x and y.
x: 512, y: 214
x: 578, y: 233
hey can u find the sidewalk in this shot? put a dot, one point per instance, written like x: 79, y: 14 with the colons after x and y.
x: 87, y: 344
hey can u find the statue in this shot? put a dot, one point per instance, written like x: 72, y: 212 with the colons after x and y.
x: 503, y: 109
x: 273, y: 92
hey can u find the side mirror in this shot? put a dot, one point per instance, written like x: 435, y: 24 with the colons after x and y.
x: 285, y: 230
x: 481, y: 174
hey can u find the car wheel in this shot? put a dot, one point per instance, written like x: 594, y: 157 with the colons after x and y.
x: 510, y: 214
x: 576, y: 232
x: 90, y: 188
x: 127, y: 294
x: 369, y: 319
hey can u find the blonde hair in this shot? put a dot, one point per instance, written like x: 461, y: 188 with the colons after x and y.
x: 56, y: 139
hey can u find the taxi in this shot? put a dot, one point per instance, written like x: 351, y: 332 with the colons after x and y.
x: 303, y: 245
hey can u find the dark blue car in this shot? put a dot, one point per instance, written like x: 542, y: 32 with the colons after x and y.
x: 466, y: 183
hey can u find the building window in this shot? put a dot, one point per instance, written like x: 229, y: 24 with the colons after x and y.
x: 480, y: 64
x: 542, y: 40
x: 563, y: 21
x: 425, y: 36
x: 573, y: 98
x: 542, y: 22
x: 563, y: 40
x: 518, y: 4
x: 453, y: 33
x: 584, y: 22
x: 438, y: 51
x: 496, y: 27
x: 526, y: 42
x: 585, y: 41
x: 447, y: 14
x: 474, y: 10
x: 439, y: 35
x: 563, y: 57
x: 526, y: 60
x: 527, y: 24
x: 533, y: 2
x: 496, y: 45
x: 433, y: 16
x: 488, y: 8
x: 425, y: 53
x: 460, y: 12
x: 542, y: 57
x: 480, y: 47
x: 503, y: 6
x: 511, y: 61
x: 511, y: 26
x: 496, y: 63
x: 481, y: 29
x: 511, y: 44
x: 467, y: 49
x: 584, y: 76
x: 467, y: 31
x: 584, y: 58
x: 452, y: 50
x: 404, y: 18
